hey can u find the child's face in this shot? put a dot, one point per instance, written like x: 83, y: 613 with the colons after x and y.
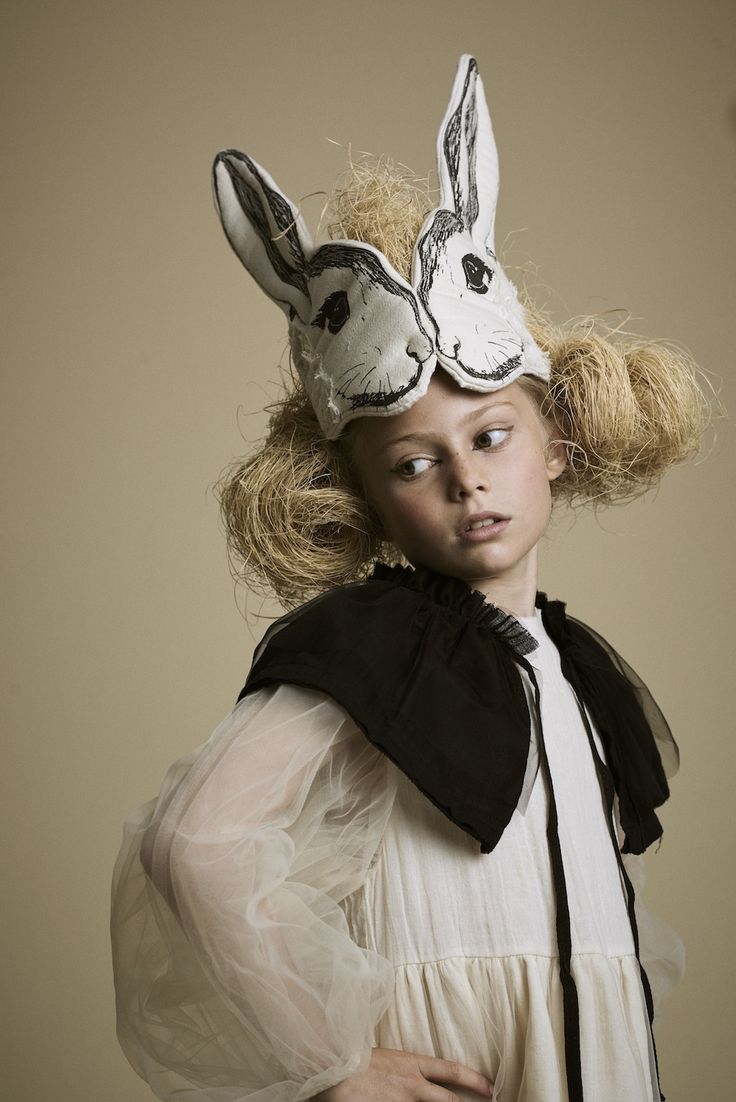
x: 461, y: 481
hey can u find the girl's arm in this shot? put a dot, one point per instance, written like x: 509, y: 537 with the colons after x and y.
x: 234, y: 964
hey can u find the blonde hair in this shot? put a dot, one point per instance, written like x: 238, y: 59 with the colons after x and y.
x: 626, y: 409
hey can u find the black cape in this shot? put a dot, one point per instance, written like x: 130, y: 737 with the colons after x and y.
x: 430, y: 672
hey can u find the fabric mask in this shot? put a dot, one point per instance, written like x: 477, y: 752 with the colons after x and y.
x: 365, y: 341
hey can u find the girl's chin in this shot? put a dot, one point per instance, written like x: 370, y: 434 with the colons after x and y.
x: 476, y: 564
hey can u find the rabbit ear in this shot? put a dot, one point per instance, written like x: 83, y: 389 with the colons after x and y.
x: 265, y: 230
x: 467, y: 161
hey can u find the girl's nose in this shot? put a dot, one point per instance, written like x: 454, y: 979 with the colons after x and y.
x: 466, y: 477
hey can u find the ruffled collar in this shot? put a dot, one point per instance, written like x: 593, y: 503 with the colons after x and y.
x: 459, y: 597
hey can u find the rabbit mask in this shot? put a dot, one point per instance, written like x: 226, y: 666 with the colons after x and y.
x: 364, y: 341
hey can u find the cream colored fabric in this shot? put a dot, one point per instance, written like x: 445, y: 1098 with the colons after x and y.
x: 473, y: 935
x: 244, y: 981
x: 329, y: 907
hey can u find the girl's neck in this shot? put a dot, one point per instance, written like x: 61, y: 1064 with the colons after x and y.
x: 516, y: 591
x: 511, y: 600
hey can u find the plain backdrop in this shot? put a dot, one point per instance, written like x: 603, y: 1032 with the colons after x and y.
x: 137, y: 355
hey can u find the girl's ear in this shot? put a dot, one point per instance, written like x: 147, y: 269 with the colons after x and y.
x: 264, y: 229
x: 555, y: 459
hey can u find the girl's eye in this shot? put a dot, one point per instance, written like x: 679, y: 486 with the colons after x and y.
x: 410, y: 468
x: 491, y: 438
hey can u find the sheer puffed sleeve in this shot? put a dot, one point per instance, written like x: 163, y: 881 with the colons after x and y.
x: 661, y: 950
x: 236, y: 976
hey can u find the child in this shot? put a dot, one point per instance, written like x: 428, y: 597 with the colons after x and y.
x: 402, y: 867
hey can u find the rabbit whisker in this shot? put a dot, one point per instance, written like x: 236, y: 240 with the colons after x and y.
x: 350, y: 371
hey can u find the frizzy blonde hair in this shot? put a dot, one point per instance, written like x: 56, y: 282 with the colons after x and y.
x: 295, y: 517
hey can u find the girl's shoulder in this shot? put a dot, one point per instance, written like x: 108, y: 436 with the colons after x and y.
x: 425, y: 667
x: 392, y: 599
x: 400, y: 622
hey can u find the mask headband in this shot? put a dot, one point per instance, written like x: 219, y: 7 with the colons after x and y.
x: 364, y: 341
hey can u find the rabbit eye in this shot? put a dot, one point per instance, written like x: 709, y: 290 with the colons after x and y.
x: 333, y: 312
x: 478, y: 275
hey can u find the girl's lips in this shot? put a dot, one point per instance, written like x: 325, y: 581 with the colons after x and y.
x: 483, y: 526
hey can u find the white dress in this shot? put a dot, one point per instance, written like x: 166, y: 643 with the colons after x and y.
x: 311, y: 903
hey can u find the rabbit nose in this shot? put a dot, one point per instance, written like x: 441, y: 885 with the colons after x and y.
x: 419, y: 347
x: 448, y: 345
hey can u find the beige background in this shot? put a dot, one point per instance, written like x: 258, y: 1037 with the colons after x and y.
x: 132, y: 337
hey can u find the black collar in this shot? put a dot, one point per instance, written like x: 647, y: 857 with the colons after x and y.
x: 430, y: 671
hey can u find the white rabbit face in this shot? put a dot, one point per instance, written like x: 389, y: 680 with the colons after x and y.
x: 364, y: 340
x: 364, y: 343
x: 465, y: 292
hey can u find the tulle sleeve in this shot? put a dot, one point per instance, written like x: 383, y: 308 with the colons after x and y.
x: 661, y: 950
x: 236, y: 976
